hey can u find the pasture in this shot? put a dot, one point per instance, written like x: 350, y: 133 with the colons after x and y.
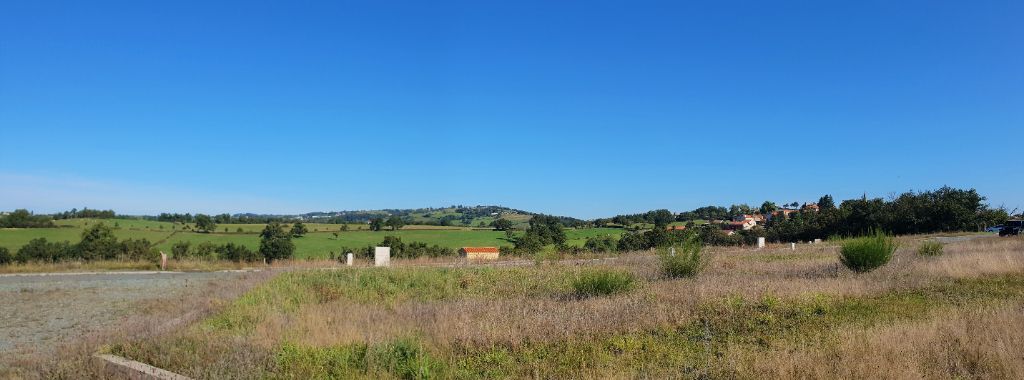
x: 319, y: 243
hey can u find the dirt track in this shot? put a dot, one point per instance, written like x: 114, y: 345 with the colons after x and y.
x: 39, y: 311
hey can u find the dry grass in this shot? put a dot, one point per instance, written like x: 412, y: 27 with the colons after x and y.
x: 950, y: 343
x: 751, y: 314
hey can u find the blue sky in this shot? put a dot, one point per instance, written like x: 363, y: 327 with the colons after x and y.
x: 586, y: 108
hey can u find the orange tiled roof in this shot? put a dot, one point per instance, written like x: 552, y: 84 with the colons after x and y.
x: 480, y: 249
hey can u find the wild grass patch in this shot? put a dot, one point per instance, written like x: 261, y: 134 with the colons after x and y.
x: 683, y: 260
x: 930, y: 248
x: 591, y: 283
x: 865, y: 254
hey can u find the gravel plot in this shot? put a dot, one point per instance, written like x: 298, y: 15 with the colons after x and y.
x: 40, y: 311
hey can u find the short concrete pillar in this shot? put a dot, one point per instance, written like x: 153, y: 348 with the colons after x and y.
x: 349, y: 260
x: 816, y: 241
x: 760, y: 242
x: 163, y: 260
x: 382, y: 256
x: 792, y: 246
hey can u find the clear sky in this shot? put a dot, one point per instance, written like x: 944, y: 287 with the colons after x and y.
x: 586, y: 109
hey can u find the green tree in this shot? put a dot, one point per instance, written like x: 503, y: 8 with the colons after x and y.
x: 768, y: 207
x: 740, y: 209
x: 662, y: 218
x: 395, y: 222
x: 376, y: 224
x: 529, y: 244
x: 548, y: 229
x: 98, y: 243
x: 299, y: 229
x: 826, y: 203
x: 502, y: 224
x: 5, y: 256
x: 276, y: 243
x: 22, y: 218
x: 205, y: 223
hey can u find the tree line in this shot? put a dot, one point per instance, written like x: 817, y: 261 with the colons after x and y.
x: 85, y: 213
x: 22, y: 218
x: 946, y: 209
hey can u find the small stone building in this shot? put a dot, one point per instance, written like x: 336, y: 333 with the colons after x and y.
x: 479, y: 253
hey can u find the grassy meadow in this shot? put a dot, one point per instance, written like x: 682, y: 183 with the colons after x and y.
x: 772, y: 313
x: 319, y: 243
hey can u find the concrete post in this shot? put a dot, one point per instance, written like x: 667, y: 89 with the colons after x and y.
x: 382, y: 256
x: 163, y: 260
x: 816, y: 241
x: 760, y: 242
x: 349, y: 260
x: 792, y: 246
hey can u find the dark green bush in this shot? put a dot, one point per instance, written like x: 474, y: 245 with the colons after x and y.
x: 683, y: 259
x: 865, y: 254
x: 41, y: 250
x: 5, y: 256
x: 602, y: 282
x: 132, y: 249
x: 98, y: 243
x: 600, y: 244
x: 206, y: 250
x: 180, y: 250
x: 237, y: 253
x: 930, y: 248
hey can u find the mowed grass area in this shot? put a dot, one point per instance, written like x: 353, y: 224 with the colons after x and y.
x: 771, y: 314
x: 319, y: 243
x: 14, y: 238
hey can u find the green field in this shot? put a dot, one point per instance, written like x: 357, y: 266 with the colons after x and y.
x: 318, y: 244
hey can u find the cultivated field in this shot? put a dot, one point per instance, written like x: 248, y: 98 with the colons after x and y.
x: 320, y: 242
x: 774, y: 313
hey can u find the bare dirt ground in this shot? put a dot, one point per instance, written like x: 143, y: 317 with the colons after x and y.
x: 41, y: 311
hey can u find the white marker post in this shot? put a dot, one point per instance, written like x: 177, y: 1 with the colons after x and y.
x: 792, y: 246
x: 382, y: 256
x: 760, y: 242
x: 349, y: 260
x: 163, y: 260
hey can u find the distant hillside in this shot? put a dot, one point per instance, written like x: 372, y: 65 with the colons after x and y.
x: 461, y: 216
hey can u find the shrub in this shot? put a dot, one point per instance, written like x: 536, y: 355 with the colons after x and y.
x: 632, y: 241
x: 683, y: 259
x: 930, y: 248
x: 206, y: 250
x: 98, y: 242
x: 41, y: 250
x: 132, y: 249
x: 600, y: 244
x: 237, y: 253
x: 529, y: 244
x: 180, y: 250
x: 865, y: 254
x: 602, y: 282
x: 5, y: 256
